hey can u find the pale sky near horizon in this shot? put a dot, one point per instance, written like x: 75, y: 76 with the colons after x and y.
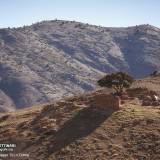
x: 115, y: 13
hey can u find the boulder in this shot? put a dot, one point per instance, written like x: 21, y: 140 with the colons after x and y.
x: 146, y: 103
x: 148, y: 98
x: 155, y: 103
x: 154, y: 98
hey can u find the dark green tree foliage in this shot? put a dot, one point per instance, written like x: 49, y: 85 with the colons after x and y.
x: 155, y: 73
x: 118, y: 81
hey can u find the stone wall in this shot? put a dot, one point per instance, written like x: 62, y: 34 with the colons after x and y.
x: 148, y: 97
x: 106, y: 101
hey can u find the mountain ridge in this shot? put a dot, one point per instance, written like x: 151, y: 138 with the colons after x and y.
x: 78, y: 22
x: 54, y: 59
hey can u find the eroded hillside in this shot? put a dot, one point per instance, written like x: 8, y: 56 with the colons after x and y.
x: 55, y: 59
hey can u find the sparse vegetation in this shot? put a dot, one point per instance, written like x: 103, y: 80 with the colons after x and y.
x: 156, y: 73
x: 118, y: 81
x: 63, y: 130
x: 72, y: 48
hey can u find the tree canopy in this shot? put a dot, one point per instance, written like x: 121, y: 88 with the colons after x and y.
x: 118, y: 81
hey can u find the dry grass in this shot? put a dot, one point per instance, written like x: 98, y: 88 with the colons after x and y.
x: 72, y: 130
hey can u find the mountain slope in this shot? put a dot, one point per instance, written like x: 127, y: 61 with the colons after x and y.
x: 54, y: 59
x: 76, y: 128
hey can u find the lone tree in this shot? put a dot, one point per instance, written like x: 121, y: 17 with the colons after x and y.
x: 118, y: 81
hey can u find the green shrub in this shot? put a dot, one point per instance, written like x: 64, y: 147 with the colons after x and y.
x: 118, y: 81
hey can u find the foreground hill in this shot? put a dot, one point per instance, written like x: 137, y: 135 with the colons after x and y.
x: 81, y: 128
x: 54, y: 59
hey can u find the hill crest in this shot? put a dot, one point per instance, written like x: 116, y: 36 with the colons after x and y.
x: 55, y: 59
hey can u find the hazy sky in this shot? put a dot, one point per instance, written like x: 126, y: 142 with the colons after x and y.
x: 100, y: 12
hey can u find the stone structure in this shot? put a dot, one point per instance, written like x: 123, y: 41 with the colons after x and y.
x: 148, y: 97
x: 106, y: 101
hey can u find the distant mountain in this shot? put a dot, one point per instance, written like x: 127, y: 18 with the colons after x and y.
x: 53, y: 59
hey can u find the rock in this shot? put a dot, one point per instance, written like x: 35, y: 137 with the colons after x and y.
x: 147, y: 98
x: 146, y: 103
x: 155, y: 98
x: 155, y: 103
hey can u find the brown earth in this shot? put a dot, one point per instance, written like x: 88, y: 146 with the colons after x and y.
x: 79, y: 128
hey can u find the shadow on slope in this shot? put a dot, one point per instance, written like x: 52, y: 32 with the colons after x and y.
x: 132, y: 47
x: 81, y: 125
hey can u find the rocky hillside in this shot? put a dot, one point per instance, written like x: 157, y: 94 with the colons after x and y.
x: 54, y: 59
x: 81, y: 128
